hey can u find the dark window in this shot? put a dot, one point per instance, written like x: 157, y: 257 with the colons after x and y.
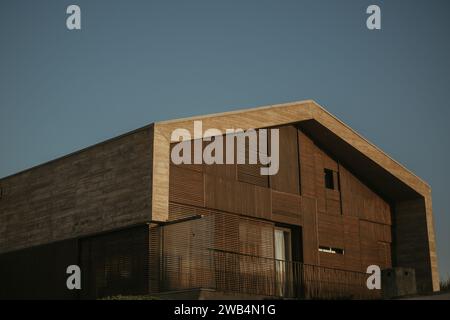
x: 329, y: 181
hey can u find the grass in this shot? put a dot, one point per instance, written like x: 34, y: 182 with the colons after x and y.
x: 445, y: 284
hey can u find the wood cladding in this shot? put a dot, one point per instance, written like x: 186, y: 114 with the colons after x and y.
x: 189, y: 246
x: 186, y: 186
x: 313, y: 162
x: 388, y: 176
x: 359, y: 201
x: 237, y: 197
x: 103, y: 187
x: 286, y: 208
x: 352, y: 244
x: 310, y: 231
x: 361, y: 229
x: 287, y: 178
x: 331, y: 230
x: 179, y: 211
x: 251, y: 173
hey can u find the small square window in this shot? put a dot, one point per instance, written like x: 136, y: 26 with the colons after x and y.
x: 329, y: 180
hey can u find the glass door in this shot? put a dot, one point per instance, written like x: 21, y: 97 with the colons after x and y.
x: 282, y: 248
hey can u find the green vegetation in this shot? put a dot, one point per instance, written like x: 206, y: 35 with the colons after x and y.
x: 445, y: 284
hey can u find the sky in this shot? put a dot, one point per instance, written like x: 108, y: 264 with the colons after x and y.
x: 137, y: 62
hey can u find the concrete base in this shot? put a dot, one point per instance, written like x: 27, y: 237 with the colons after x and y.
x: 398, y: 282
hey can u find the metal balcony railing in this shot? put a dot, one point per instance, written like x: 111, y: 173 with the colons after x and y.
x: 260, y: 276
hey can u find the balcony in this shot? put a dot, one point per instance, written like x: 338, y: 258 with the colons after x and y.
x: 225, y: 271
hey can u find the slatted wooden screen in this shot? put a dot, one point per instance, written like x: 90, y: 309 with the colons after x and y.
x: 287, y: 178
x: 115, y: 263
x: 296, y: 195
x: 190, y: 256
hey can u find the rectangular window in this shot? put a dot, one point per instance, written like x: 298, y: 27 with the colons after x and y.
x: 331, y: 250
x: 329, y: 180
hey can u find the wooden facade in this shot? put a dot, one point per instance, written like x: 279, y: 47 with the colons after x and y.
x: 350, y: 217
x: 341, y: 203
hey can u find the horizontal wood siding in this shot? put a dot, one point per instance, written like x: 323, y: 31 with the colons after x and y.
x: 286, y: 208
x: 101, y: 188
x: 297, y: 195
x: 287, y: 178
x: 186, y: 186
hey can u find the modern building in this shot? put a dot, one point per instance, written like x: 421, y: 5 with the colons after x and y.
x: 136, y: 223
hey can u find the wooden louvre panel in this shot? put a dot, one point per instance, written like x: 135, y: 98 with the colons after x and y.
x: 331, y: 234
x: 331, y: 231
x: 375, y: 231
x: 286, y: 208
x: 115, y: 263
x: 221, y: 251
x: 332, y: 196
x: 186, y: 186
x: 313, y: 162
x: 251, y: 172
x: 187, y: 145
x: 256, y: 238
x: 360, y: 201
x: 307, y: 165
x: 221, y: 170
x: 185, y: 262
x: 352, y: 253
x: 352, y: 199
x: 226, y: 241
x: 369, y: 253
x: 226, y: 232
x: 230, y: 196
x: 319, y: 180
x: 154, y: 258
x: 310, y: 236
x: 333, y: 207
x: 375, y: 241
x: 263, y: 203
x: 256, y: 263
x: 330, y: 260
x: 179, y: 211
x: 237, y: 197
x: 287, y: 178
x: 175, y: 253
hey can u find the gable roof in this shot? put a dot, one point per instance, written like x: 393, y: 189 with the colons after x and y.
x: 377, y: 168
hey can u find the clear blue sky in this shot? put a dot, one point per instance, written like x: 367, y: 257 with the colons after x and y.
x: 136, y: 62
